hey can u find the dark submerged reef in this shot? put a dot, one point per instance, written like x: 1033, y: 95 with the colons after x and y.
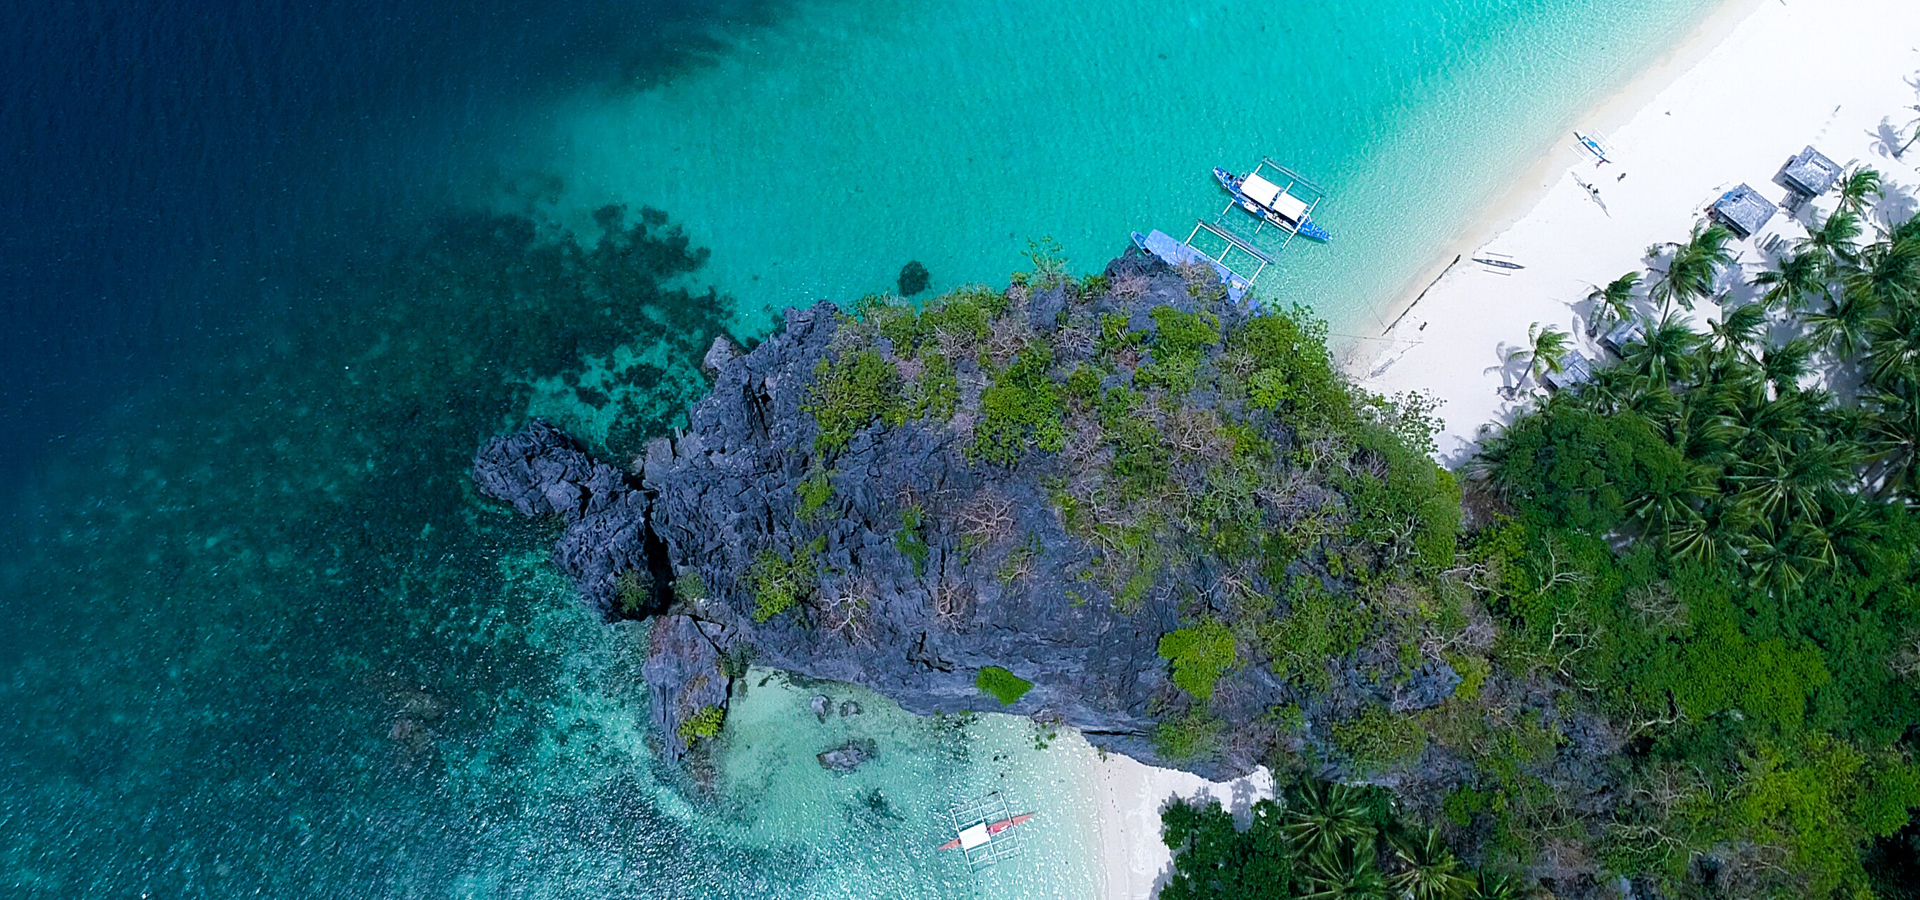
x: 274, y: 645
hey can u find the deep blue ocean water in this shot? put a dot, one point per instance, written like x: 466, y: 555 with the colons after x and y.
x: 269, y: 272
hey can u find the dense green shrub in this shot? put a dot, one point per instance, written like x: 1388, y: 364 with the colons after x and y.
x: 1003, y: 685
x: 908, y: 539
x: 633, y: 591
x: 1379, y: 738
x: 1178, y: 344
x: 848, y: 394
x: 702, y: 725
x: 1578, y: 469
x: 814, y: 490
x: 778, y: 582
x: 1021, y: 408
x: 1320, y: 627
x: 1194, y: 735
x: 1199, y: 655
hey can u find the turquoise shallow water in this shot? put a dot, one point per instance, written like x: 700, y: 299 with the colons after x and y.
x: 265, y: 641
x: 821, y: 154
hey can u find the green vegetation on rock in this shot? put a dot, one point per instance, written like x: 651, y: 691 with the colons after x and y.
x: 1019, y: 410
x: 702, y: 725
x: 1003, y: 685
x: 1199, y: 654
x: 779, y: 582
x: 848, y: 394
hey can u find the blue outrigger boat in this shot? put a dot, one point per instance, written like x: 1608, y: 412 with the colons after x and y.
x: 1177, y: 252
x: 1273, y: 204
x: 1593, y: 146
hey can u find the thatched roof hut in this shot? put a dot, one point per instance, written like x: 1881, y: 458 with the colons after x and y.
x: 1809, y: 173
x: 1743, y: 211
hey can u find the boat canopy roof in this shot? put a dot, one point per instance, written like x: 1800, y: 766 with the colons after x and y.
x: 974, y: 836
x: 1273, y: 196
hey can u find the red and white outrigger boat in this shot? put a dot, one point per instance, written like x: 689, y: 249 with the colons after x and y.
x: 983, y: 830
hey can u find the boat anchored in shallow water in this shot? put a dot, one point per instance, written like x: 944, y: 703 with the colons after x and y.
x: 1268, y: 201
x: 983, y: 830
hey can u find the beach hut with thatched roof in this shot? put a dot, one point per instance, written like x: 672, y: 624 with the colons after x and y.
x: 1809, y: 173
x: 1575, y: 369
x: 1743, y: 211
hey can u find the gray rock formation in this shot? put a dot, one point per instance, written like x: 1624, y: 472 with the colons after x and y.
x: 1001, y: 582
x: 848, y: 756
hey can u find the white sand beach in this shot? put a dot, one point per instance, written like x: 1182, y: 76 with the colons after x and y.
x: 1131, y: 793
x: 1754, y: 84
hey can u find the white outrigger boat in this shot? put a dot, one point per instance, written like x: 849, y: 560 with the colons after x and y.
x: 1273, y: 204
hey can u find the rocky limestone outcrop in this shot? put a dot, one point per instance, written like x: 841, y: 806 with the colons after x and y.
x: 1000, y: 581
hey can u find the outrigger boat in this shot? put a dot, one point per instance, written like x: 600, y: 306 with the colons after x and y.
x: 1271, y: 203
x: 1593, y: 146
x: 984, y: 831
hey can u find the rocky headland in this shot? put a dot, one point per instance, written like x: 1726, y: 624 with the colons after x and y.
x: 1123, y: 503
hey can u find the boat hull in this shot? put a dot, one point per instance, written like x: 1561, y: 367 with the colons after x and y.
x: 993, y: 829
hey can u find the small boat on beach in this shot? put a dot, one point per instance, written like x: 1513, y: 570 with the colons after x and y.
x: 1497, y: 263
x: 1593, y: 146
x: 982, y: 832
x: 1271, y: 203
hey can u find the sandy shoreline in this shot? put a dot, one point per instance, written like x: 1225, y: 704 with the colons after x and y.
x: 1131, y: 793
x: 1755, y: 82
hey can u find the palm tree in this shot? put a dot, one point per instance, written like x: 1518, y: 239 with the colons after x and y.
x: 1892, y: 438
x: 1720, y: 532
x: 1887, y: 274
x: 1691, y: 266
x: 1784, y: 365
x: 1345, y: 872
x: 1729, y: 336
x: 1431, y: 870
x: 1780, y: 565
x: 1794, y: 282
x: 1842, y: 328
x: 1856, y: 187
x: 1893, y: 351
x: 1614, y: 303
x: 1546, y: 350
x: 1493, y: 886
x: 1325, y: 814
x: 1833, y: 241
x: 1665, y: 353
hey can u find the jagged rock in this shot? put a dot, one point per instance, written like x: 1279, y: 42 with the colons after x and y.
x: 725, y: 492
x: 721, y: 352
x: 849, y: 708
x: 541, y: 471
x: 1432, y: 683
x: 848, y: 756
x: 684, y: 675
x: 821, y: 705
